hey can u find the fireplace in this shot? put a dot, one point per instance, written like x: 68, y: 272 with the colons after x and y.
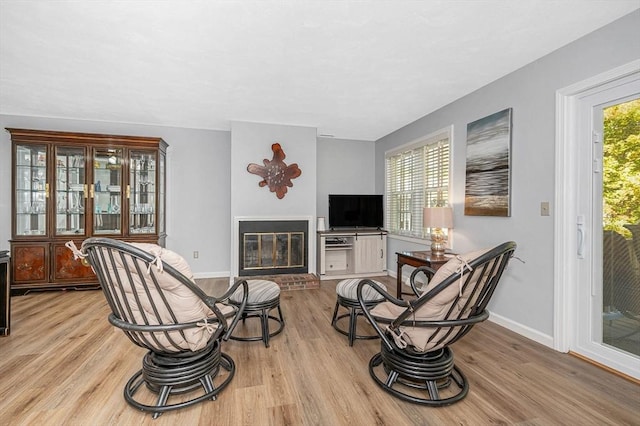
x: 273, y: 247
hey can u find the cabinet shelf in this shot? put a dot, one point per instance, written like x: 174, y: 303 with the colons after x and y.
x: 330, y: 247
x: 30, y: 167
x: 32, y: 190
x: 70, y: 168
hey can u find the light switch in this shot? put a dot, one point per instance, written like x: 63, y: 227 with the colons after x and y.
x: 544, y: 208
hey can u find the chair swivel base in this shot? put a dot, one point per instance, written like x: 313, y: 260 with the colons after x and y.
x: 261, y: 310
x: 419, y: 378
x: 167, y: 376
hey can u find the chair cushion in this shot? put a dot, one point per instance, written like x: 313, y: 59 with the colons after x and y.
x: 186, y: 305
x: 349, y: 290
x: 423, y: 338
x: 259, y: 291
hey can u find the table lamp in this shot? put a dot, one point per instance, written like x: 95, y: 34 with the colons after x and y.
x: 437, y: 218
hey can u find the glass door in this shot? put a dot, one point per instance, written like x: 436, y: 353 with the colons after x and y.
x: 620, y: 192
x: 107, y: 191
x: 607, y: 321
x: 32, y: 190
x: 143, y: 205
x: 70, y: 191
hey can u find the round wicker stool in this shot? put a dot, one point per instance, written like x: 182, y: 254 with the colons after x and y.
x: 347, y: 292
x: 262, y: 298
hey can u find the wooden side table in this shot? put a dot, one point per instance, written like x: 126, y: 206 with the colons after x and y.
x: 415, y: 259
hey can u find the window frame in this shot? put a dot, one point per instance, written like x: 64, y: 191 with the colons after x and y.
x: 417, y: 190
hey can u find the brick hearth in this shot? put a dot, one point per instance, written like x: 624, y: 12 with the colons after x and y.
x: 291, y: 281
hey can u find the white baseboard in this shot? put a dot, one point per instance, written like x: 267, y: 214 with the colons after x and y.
x: 204, y: 275
x: 523, y: 330
x: 529, y: 333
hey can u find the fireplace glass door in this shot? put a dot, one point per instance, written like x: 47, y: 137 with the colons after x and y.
x: 273, y: 250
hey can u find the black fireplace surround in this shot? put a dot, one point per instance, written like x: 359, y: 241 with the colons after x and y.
x: 272, y: 247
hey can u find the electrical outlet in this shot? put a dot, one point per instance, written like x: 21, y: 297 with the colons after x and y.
x: 544, y: 208
x: 195, y: 254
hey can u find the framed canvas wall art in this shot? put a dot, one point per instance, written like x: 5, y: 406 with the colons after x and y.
x: 488, y: 171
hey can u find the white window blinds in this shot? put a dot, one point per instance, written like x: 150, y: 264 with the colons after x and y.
x: 417, y: 176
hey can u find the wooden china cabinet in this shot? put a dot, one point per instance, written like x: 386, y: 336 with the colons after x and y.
x: 71, y: 186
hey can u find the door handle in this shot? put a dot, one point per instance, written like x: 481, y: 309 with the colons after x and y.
x: 580, y: 235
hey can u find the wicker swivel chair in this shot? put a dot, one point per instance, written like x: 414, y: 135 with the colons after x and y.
x: 155, y: 302
x: 415, y: 362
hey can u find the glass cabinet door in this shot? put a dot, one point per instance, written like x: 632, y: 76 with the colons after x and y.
x: 70, y: 191
x: 142, y: 198
x: 32, y: 190
x: 107, y: 191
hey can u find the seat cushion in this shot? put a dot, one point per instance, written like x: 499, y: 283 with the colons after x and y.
x: 426, y: 339
x: 349, y: 290
x: 259, y: 291
x: 186, y: 305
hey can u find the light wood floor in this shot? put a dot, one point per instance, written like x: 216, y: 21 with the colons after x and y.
x: 64, y: 364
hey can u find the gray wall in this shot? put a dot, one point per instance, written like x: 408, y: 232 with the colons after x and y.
x: 251, y: 143
x: 344, y: 167
x: 524, y: 301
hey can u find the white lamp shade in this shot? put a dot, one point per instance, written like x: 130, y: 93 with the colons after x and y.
x: 437, y: 217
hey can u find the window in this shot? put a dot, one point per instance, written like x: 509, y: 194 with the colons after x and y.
x: 417, y: 176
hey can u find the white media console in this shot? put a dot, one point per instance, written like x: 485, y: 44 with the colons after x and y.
x: 351, y: 253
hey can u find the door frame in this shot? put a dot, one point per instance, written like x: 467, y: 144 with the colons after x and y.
x: 566, y: 169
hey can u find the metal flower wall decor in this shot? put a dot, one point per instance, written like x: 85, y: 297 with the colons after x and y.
x: 275, y: 173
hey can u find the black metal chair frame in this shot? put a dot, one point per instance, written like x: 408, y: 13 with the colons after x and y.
x: 353, y: 312
x: 261, y: 310
x: 418, y: 377
x: 172, y: 370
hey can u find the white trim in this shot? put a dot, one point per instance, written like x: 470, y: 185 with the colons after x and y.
x: 523, y: 330
x: 415, y: 240
x: 426, y: 242
x: 205, y: 275
x: 445, y: 132
x: 431, y: 139
x: 565, y: 261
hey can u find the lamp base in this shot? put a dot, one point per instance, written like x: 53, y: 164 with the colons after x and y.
x: 437, y: 249
x: 438, y: 243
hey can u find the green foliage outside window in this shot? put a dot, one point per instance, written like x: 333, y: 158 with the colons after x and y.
x: 621, y: 157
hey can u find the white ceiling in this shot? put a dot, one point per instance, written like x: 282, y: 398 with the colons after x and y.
x: 353, y: 69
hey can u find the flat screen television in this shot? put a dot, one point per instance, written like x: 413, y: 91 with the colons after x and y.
x: 355, y: 211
